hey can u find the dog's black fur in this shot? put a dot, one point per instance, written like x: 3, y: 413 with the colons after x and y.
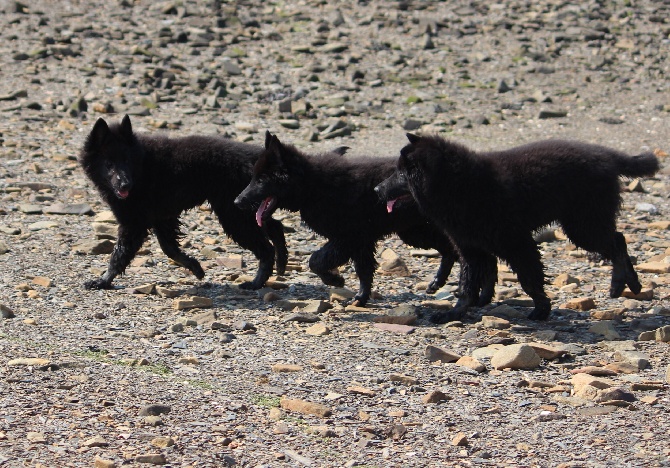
x: 335, y: 198
x: 493, y: 202
x: 149, y: 180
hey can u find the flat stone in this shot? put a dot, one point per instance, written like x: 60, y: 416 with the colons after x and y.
x: 316, y: 306
x: 594, y: 370
x: 101, y: 247
x: 608, y: 314
x: 305, y: 407
x: 434, y: 354
x: 622, y: 367
x: 151, y: 459
x: 391, y: 327
x: 96, y: 441
x: 646, y: 294
x: 489, y: 321
x: 662, y: 334
x: 471, y: 363
x: 487, y: 352
x: 460, y: 440
x: 103, y: 463
x: 286, y: 368
x: 404, y: 379
x: 580, y: 303
x: 69, y: 209
x: 318, y: 329
x: 341, y: 294
x: 516, y: 356
x: 653, y: 267
x: 192, y: 302
x: 35, y: 362
x: 301, y: 317
x: 564, y: 279
x: 546, y: 351
x: 439, y: 304
x: 606, y: 329
x: 145, y: 289
x: 6, y: 312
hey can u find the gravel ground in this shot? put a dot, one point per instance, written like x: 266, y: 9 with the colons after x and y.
x: 291, y: 375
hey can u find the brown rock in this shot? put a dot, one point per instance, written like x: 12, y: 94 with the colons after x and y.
x: 286, y: 368
x: 460, y: 440
x: 546, y: 351
x: 192, y: 303
x: 396, y: 319
x: 594, y: 370
x: 435, y: 396
x: 357, y: 389
x: 42, y: 281
x: 404, y: 379
x: 580, y: 303
x: 623, y: 367
x: 489, y: 321
x: 654, y: 267
x: 102, y: 463
x: 516, y: 356
x: 402, y: 329
x: 471, y: 363
x: 151, y: 459
x: 433, y: 353
x: 564, y: 279
x: 646, y: 294
x: 318, y: 329
x: 162, y: 442
x: 306, y: 407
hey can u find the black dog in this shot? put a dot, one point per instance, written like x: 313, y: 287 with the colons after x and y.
x: 492, y: 202
x: 149, y: 180
x: 336, y: 199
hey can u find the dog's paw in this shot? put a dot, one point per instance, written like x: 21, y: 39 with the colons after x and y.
x: 250, y: 285
x: 448, y: 316
x: 539, y: 314
x: 198, y: 272
x: 97, y: 284
x: 432, y: 288
x: 616, y: 289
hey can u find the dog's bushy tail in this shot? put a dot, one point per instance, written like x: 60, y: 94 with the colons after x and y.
x: 644, y: 164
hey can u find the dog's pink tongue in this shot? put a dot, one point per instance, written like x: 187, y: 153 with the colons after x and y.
x: 261, y: 210
x: 123, y: 193
x: 389, y: 204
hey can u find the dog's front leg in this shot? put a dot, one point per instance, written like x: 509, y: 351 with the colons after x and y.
x: 130, y: 239
x: 365, y: 266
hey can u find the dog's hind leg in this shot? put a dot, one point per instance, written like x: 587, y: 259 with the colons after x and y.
x: 524, y: 258
x: 324, y: 261
x: 167, y: 232
x: 487, y: 278
x: 130, y: 239
x: 275, y: 231
x: 365, y: 266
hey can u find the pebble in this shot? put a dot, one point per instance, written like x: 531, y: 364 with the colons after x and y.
x: 154, y: 410
x: 192, y: 303
x: 306, y: 407
x: 435, y: 354
x: 435, y: 396
x: 318, y: 329
x: 151, y: 459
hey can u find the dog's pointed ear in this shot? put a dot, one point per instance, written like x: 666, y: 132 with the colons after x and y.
x: 126, y: 127
x: 99, y: 134
x: 413, y: 139
x: 268, y: 139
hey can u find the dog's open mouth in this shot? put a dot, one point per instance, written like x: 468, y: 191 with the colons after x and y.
x: 392, y: 203
x: 265, y: 210
x: 122, y: 194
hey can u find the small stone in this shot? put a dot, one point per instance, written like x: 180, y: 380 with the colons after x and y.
x: 35, y: 362
x: 580, y: 303
x: 404, y: 379
x: 564, y: 279
x: 316, y: 307
x: 318, y: 329
x: 551, y: 114
x: 471, y: 363
x: 305, y: 407
x: 662, y: 334
x: 189, y: 360
x: 103, y: 463
x: 192, y: 302
x: 145, y: 289
x: 614, y: 394
x: 433, y: 354
x: 460, y: 440
x: 162, y: 442
x: 357, y: 389
x: 489, y: 321
x: 608, y: 314
x: 517, y: 356
x: 151, y: 459
x: 292, y: 124
x: 6, y: 312
x: 434, y: 396
x: 153, y: 421
x: 547, y: 352
x: 96, y: 441
x: 101, y: 247
x: 41, y: 281
x: 36, y: 437
x: 286, y: 368
x: 402, y: 329
x: 622, y: 367
x: 154, y: 410
x: 606, y: 329
x: 341, y: 294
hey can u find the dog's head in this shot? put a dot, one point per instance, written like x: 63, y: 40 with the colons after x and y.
x: 111, y: 157
x: 271, y: 179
